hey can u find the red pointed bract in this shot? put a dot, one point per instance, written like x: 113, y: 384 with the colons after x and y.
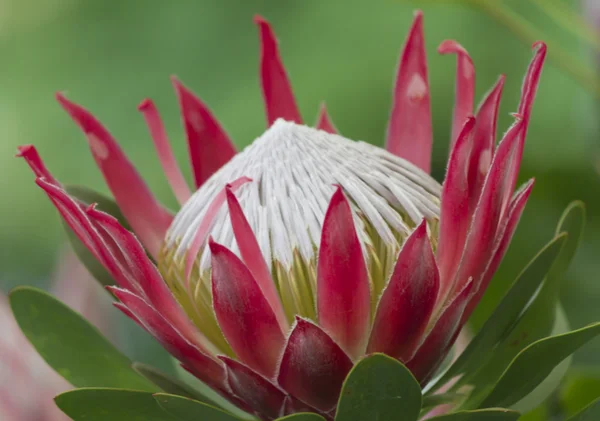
x: 256, y: 391
x: 144, y: 214
x: 454, y: 220
x: 409, y: 132
x: 484, y: 141
x: 244, y: 315
x: 253, y: 257
x: 465, y: 85
x: 503, y: 241
x: 431, y: 353
x: 324, y: 121
x: 153, y: 322
x: 313, y: 366
x: 496, y: 191
x: 33, y: 159
x: 206, y: 224
x: 209, y: 145
x: 147, y: 276
x: 408, y: 300
x: 276, y: 87
x: 164, y: 151
x: 74, y: 215
x: 343, y: 296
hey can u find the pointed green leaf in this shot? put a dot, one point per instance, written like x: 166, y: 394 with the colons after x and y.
x: 169, y: 384
x: 589, y: 413
x: 506, y: 313
x: 70, y: 344
x: 219, y: 401
x: 100, y: 404
x: 379, y: 388
x: 531, y: 366
x: 106, y: 204
x: 305, y: 416
x: 490, y: 414
x: 185, y: 409
x: 538, y: 320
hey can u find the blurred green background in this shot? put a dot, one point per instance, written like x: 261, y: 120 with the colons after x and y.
x: 108, y: 56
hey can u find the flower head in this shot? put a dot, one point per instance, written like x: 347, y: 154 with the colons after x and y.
x: 305, y: 251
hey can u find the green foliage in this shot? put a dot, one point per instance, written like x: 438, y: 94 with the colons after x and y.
x: 93, y: 404
x: 505, y: 315
x: 185, y: 409
x: 302, y: 417
x: 581, y: 387
x: 492, y: 414
x: 169, y: 384
x: 589, y: 413
x: 379, y: 388
x: 70, y: 344
x: 534, y: 363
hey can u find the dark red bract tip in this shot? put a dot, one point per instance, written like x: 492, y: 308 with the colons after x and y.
x: 259, y: 20
x: 145, y: 104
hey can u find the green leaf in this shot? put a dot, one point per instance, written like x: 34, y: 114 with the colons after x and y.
x: 100, y: 404
x: 431, y: 401
x: 538, y: 320
x: 70, y: 344
x: 193, y: 382
x: 186, y: 409
x: 105, y: 204
x: 531, y: 366
x: 505, y: 314
x: 305, y: 416
x: 169, y: 384
x: 379, y: 388
x: 490, y: 414
x: 589, y: 413
x: 581, y: 387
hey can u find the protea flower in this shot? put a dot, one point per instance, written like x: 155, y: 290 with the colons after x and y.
x: 306, y: 251
x: 27, y: 383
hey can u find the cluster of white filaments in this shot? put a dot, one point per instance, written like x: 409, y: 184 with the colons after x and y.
x: 294, y: 171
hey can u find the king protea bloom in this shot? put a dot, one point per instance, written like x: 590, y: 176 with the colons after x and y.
x: 306, y: 251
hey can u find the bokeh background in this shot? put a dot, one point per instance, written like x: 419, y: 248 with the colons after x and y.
x: 110, y: 55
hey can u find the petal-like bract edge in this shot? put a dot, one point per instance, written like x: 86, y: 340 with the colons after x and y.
x: 313, y: 366
x: 408, y: 300
x: 144, y: 214
x: 431, y: 353
x: 343, y: 296
x: 147, y: 276
x: 484, y: 140
x: 486, y: 220
x: 454, y: 219
x: 409, y: 132
x: 324, y: 121
x: 209, y: 369
x: 244, y: 315
x: 503, y: 241
x: 276, y: 87
x: 257, y: 392
x: 465, y: 85
x: 164, y: 151
x: 33, y: 159
x: 208, y: 144
x: 253, y: 257
x: 206, y: 224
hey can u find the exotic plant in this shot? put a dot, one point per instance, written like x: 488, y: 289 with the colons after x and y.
x: 313, y: 277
